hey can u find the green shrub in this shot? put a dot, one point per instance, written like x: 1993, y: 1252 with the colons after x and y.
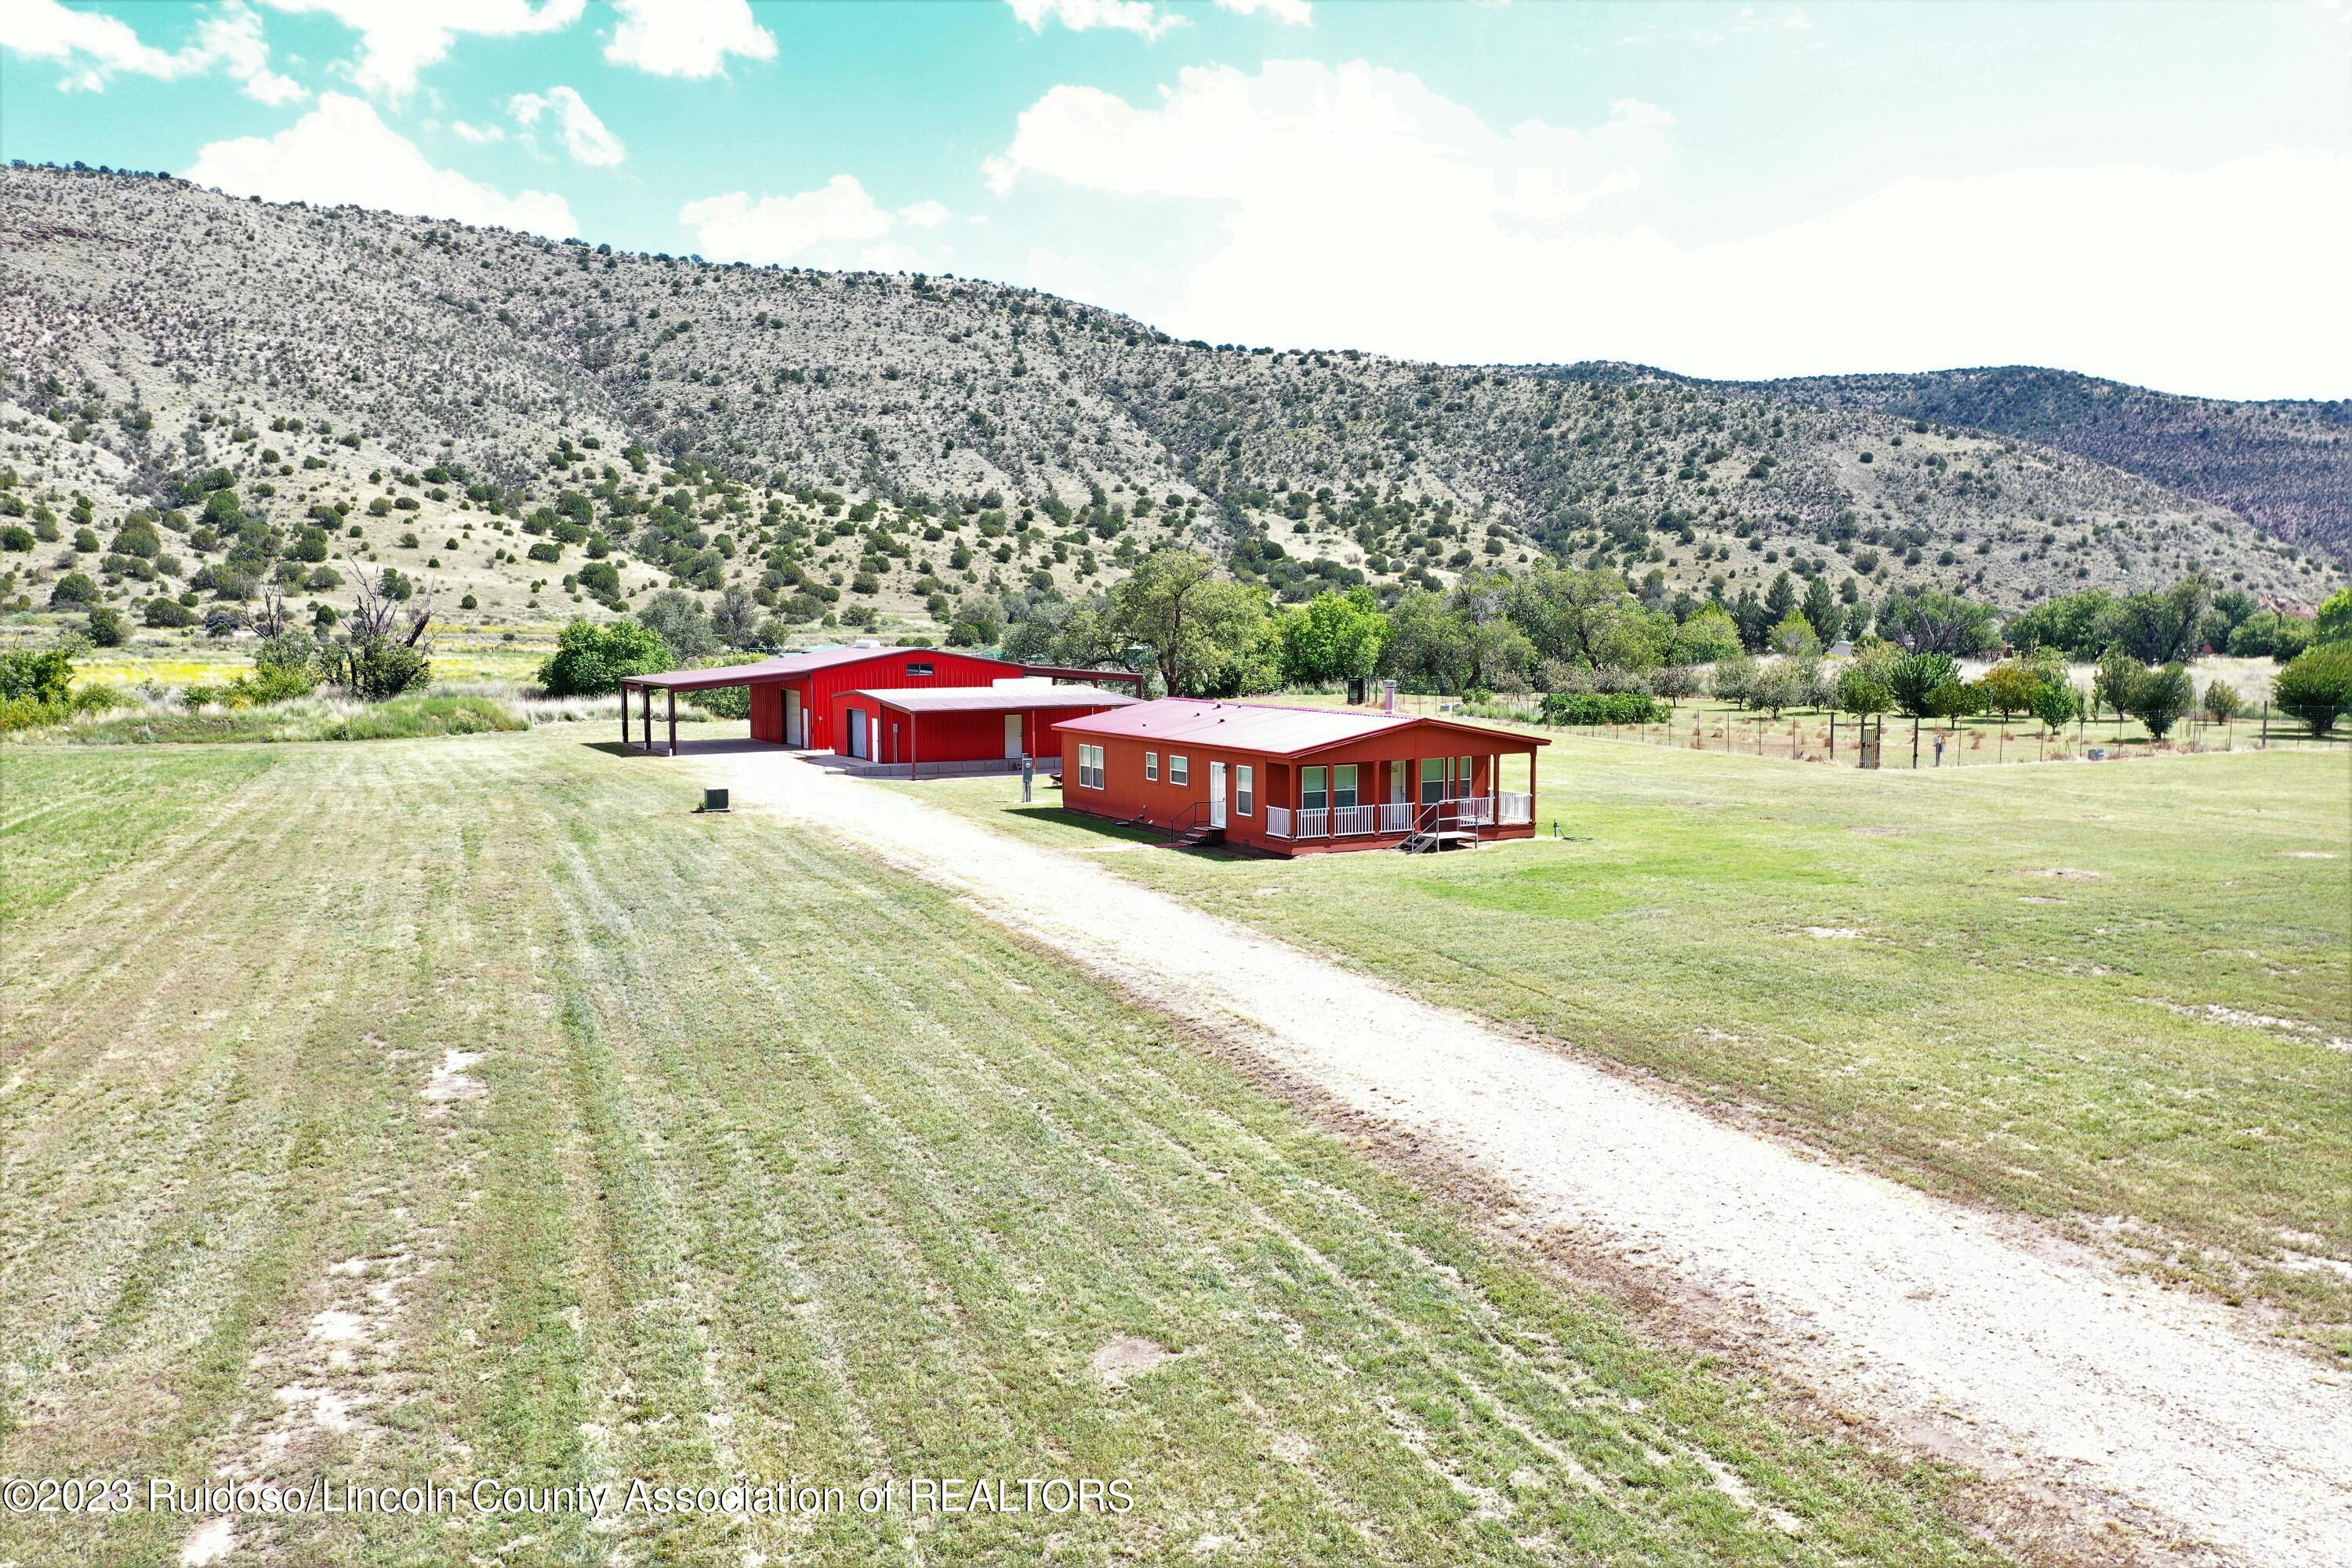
x: 107, y: 628
x: 1602, y: 708
x: 164, y: 612
x: 725, y: 701
x: 44, y: 676
x: 378, y: 670
x: 2316, y: 687
x: 591, y: 659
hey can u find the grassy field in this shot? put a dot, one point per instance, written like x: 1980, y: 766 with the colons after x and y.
x: 2119, y: 997
x: 428, y: 1111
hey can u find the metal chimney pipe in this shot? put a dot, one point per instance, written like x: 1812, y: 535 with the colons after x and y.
x: 1387, y: 695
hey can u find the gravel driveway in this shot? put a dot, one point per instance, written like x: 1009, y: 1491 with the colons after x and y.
x: 2002, y: 1345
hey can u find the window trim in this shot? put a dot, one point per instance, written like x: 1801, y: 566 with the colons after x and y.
x: 1151, y: 767
x: 1245, y: 790
x: 1352, y: 792
x: 1090, y: 766
x: 1313, y: 788
x: 1180, y: 770
x: 921, y: 668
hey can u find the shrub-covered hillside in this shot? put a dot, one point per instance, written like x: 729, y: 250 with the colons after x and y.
x: 201, y: 397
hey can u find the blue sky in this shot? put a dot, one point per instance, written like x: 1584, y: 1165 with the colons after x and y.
x: 2158, y: 192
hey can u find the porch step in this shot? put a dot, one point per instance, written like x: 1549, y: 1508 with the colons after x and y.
x: 1438, y: 840
x: 1194, y: 837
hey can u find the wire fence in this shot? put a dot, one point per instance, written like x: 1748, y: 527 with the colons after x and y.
x: 1839, y: 740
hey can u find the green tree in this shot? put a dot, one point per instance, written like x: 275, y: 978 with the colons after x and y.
x: 2316, y: 687
x: 107, y: 628
x: 1707, y: 637
x: 1864, y: 684
x: 2010, y: 686
x: 1333, y: 637
x: 2161, y: 627
x: 1934, y: 621
x: 1202, y: 630
x: 2333, y: 622
x: 679, y: 619
x: 2054, y: 702
x: 1779, y: 600
x: 2158, y: 697
x: 2224, y: 701
x: 1917, y: 682
x: 2111, y: 687
x: 1795, y: 635
x: 1822, y: 612
x: 591, y: 659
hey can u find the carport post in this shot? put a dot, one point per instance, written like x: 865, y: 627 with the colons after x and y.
x: 913, y: 745
x: 673, y: 720
x: 646, y: 711
x: 624, y: 714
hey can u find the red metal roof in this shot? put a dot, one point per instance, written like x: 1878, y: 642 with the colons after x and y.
x: 994, y: 699
x: 1263, y: 727
x: 788, y: 667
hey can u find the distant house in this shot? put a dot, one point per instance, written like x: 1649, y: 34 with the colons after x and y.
x: 792, y: 695
x: 1297, y: 781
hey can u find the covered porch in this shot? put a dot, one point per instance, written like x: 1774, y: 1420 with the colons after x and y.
x: 1418, y: 803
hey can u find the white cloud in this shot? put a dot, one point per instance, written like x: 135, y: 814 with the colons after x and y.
x: 686, y: 38
x: 400, y: 37
x: 1143, y: 16
x: 477, y: 135
x: 341, y: 151
x: 838, y: 224
x: 584, y: 135
x: 94, y: 47
x: 1356, y: 207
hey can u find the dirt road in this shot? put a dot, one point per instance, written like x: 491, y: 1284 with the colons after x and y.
x: 2011, y: 1348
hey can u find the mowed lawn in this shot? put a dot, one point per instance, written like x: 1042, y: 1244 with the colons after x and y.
x: 428, y: 1111
x: 2115, y: 995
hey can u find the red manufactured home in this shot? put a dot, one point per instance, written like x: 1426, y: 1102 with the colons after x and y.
x: 1297, y: 781
x: 792, y: 695
x: 940, y: 725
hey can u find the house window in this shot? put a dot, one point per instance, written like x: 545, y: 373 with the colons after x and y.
x: 918, y: 669
x: 1180, y: 770
x: 1090, y: 767
x: 1244, y: 789
x: 1311, y: 794
x: 1343, y: 785
x: 1432, y: 780
x: 1462, y: 783
x: 1151, y: 766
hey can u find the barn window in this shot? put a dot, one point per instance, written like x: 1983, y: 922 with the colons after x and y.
x: 1343, y: 785
x: 918, y: 669
x: 1311, y: 794
x: 1180, y: 770
x: 1244, y: 789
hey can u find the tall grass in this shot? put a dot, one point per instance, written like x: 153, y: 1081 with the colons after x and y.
x: 316, y: 717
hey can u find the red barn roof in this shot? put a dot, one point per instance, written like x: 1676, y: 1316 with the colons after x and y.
x: 993, y: 698
x: 789, y: 667
x: 1261, y: 727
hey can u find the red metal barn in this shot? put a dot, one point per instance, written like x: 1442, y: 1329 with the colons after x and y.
x: 960, y: 724
x: 1297, y: 781
x: 792, y: 695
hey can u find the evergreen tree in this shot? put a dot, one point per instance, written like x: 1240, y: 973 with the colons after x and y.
x: 1822, y: 612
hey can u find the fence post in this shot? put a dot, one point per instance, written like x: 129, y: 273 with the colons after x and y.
x: 1834, y: 735
x: 2266, y: 723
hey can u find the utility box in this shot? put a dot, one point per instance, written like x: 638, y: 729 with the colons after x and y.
x: 714, y: 800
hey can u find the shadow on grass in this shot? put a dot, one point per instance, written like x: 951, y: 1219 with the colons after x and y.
x: 1145, y: 837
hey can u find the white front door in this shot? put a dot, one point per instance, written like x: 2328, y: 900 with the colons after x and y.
x: 1216, y: 794
x: 793, y: 719
x: 1012, y: 737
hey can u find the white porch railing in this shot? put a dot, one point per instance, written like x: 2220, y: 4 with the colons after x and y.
x: 1473, y: 808
x: 1346, y: 819
x: 1396, y: 817
x: 1512, y: 808
x: 1315, y: 823
x: 1277, y: 822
